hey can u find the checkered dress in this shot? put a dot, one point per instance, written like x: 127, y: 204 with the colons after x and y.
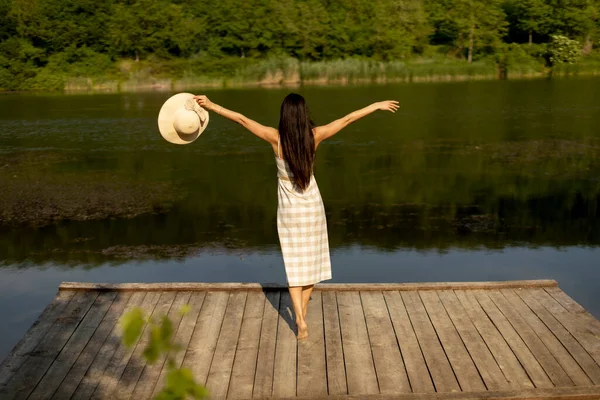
x: 302, y: 229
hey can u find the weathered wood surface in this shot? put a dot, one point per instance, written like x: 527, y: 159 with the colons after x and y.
x: 286, y: 350
x: 517, y: 340
x: 337, y: 287
x: 311, y: 371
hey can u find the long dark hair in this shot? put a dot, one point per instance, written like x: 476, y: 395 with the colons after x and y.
x: 297, y: 140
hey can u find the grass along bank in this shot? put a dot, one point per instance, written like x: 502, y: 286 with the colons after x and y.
x: 148, y: 75
x: 129, y: 75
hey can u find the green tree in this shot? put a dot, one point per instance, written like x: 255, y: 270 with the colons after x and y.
x: 470, y: 24
x: 594, y: 35
x: 533, y: 17
x: 337, y: 35
x: 8, y: 24
x: 401, y: 29
x: 54, y: 25
x: 239, y: 28
x: 573, y: 18
x: 70, y: 37
x: 384, y: 30
x: 19, y: 62
x: 311, y: 28
x: 141, y: 27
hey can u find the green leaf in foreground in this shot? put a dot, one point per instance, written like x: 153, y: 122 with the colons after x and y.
x: 132, y: 323
x: 179, y: 382
x: 184, y: 309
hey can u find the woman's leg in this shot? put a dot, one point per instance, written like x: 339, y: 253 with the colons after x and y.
x: 306, y: 291
x: 296, y: 295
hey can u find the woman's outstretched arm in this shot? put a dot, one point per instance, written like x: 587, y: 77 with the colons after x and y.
x: 327, y: 131
x: 264, y: 132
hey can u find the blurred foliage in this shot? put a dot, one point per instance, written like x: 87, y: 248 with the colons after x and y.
x: 179, y: 382
x: 53, y: 44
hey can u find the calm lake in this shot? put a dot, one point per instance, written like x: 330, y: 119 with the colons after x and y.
x: 469, y: 181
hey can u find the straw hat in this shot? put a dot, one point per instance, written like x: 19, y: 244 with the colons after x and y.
x: 181, y: 120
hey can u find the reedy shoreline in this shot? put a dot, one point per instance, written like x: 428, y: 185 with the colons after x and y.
x: 278, y: 73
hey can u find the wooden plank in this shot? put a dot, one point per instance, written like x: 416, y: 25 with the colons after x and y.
x: 200, y: 351
x: 263, y: 380
x: 244, y: 366
x: 563, y: 393
x: 116, y: 366
x: 437, y: 362
x: 34, y: 335
x: 94, y: 373
x: 464, y: 369
x: 220, y: 369
x: 85, y: 360
x: 336, y: 371
x: 527, y: 359
x: 312, y: 368
x: 573, y: 307
x: 389, y: 366
x: 73, y: 348
x: 137, y: 363
x: 505, y: 358
x: 229, y: 286
x: 562, y: 356
x: 489, y: 370
x: 151, y: 372
x: 360, y: 370
x: 33, y: 369
x: 557, y: 328
x: 575, y: 349
x: 576, y: 326
x: 416, y: 368
x: 182, y: 337
x: 553, y: 369
x: 284, y: 373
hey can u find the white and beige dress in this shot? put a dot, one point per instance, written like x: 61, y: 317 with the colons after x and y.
x: 302, y: 229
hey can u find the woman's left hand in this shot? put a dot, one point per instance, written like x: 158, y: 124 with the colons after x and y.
x: 388, y: 105
x: 204, y: 102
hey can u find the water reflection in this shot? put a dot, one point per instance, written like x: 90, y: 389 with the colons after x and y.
x: 87, y: 179
x: 553, y: 220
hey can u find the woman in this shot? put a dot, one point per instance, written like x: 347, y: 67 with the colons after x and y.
x: 301, y: 220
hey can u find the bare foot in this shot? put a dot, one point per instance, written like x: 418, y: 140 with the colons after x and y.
x: 302, y: 330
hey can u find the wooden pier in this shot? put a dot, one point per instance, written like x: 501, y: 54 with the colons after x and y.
x: 517, y: 339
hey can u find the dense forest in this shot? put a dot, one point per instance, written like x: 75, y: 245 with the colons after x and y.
x: 46, y: 43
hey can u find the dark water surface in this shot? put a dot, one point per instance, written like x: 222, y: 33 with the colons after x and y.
x: 467, y: 182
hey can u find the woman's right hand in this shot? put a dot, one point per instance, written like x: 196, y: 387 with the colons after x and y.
x: 388, y: 105
x: 204, y: 102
